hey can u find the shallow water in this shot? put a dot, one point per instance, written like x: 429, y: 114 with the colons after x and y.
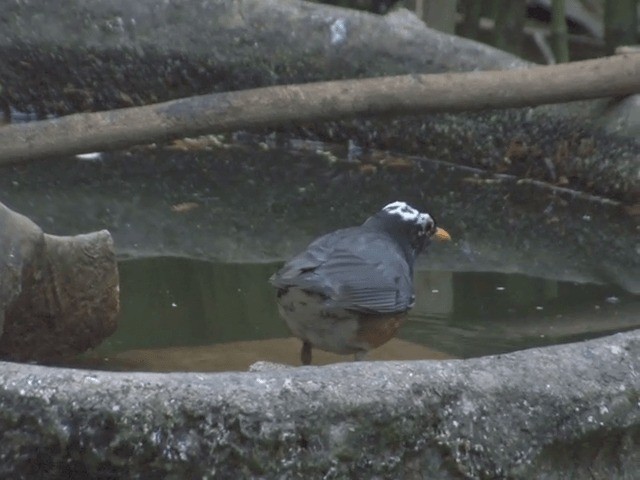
x: 196, y: 225
x: 180, y: 314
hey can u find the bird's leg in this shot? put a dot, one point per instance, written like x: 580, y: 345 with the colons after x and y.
x: 359, y: 356
x: 305, y: 353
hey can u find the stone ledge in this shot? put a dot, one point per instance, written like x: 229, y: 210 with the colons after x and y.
x: 569, y: 411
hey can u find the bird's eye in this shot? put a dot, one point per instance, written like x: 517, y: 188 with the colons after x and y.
x: 430, y: 227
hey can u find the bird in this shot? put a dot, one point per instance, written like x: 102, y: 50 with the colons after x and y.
x: 350, y: 290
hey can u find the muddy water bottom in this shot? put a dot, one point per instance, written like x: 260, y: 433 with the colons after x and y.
x: 185, y: 315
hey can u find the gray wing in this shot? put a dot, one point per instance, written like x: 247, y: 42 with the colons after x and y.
x: 349, y: 271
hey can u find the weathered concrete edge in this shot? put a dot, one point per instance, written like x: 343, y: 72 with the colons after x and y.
x: 555, y: 411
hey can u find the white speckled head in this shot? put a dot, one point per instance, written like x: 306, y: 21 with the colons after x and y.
x: 410, y: 214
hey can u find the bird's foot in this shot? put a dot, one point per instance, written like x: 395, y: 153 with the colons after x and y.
x: 305, y: 353
x: 361, y: 355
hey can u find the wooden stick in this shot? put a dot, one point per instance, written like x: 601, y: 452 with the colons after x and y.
x: 262, y: 107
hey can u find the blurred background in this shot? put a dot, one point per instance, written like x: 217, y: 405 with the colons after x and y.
x: 543, y: 31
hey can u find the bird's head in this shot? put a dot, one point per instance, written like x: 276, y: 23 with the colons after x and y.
x: 408, y: 226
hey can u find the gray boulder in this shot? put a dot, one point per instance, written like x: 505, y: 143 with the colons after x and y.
x: 72, y: 56
x: 569, y: 411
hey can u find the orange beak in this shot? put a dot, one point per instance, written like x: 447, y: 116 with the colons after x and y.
x: 442, y: 235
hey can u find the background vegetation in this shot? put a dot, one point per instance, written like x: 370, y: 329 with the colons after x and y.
x: 544, y: 31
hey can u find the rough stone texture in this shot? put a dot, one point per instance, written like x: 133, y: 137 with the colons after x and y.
x: 103, y: 54
x: 87, y: 55
x: 58, y: 295
x: 569, y: 411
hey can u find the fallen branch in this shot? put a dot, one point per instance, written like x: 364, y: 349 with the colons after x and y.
x: 262, y: 107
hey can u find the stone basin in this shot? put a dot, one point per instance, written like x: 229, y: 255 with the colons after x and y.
x: 568, y: 411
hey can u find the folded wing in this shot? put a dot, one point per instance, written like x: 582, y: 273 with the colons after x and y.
x: 363, y: 272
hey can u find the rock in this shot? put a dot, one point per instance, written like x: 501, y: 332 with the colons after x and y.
x: 122, y: 54
x: 58, y: 295
x: 268, y: 367
x: 568, y: 411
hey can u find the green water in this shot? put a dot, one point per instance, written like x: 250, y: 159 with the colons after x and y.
x: 172, y: 302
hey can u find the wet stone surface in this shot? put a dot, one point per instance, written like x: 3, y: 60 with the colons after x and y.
x: 257, y: 203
